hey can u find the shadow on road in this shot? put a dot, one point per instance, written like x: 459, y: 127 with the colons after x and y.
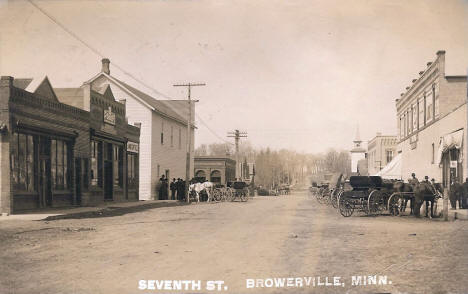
x: 113, y: 211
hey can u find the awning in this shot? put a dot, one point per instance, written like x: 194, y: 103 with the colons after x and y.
x: 449, y: 141
x: 392, y: 170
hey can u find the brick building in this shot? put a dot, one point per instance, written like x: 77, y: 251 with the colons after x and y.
x: 431, y: 117
x: 163, y: 130
x: 219, y: 170
x: 46, y: 145
x: 380, y: 151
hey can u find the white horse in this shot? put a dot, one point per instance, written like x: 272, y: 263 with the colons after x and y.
x: 199, y: 187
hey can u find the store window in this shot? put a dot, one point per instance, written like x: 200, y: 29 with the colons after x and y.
x: 96, y: 163
x: 132, y: 178
x: 118, y: 166
x: 60, y: 165
x: 22, y: 162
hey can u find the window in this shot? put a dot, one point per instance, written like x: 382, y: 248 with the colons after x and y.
x: 433, y: 153
x: 172, y: 136
x: 162, y: 133
x: 180, y: 138
x: 118, y: 165
x: 59, y: 165
x: 429, y: 108
x: 132, y: 177
x: 22, y: 162
x: 402, y: 127
x: 389, y: 155
x: 421, y: 112
x: 415, y: 117
x: 96, y: 163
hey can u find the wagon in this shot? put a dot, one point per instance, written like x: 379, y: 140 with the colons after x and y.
x: 369, y: 194
x: 240, y: 191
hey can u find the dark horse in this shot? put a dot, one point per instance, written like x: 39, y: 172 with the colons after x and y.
x: 428, y: 192
x: 401, y: 186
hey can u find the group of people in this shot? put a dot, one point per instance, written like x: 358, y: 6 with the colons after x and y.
x: 177, y: 188
x: 458, y: 192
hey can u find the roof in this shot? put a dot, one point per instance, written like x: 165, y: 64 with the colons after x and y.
x: 358, y: 149
x: 70, y: 96
x: 22, y: 83
x: 163, y: 106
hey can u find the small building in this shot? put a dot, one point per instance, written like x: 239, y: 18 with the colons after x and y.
x: 432, y: 120
x: 219, y: 170
x: 163, y: 125
x: 54, y: 155
x: 380, y: 151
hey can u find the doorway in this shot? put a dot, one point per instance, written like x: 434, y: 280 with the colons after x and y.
x: 108, y: 181
x: 78, y: 177
x: 44, y: 187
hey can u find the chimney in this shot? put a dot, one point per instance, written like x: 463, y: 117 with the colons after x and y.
x: 123, y: 101
x: 429, y: 63
x: 421, y: 72
x: 414, y: 80
x: 440, y: 52
x: 138, y: 124
x: 6, y: 81
x: 105, y: 66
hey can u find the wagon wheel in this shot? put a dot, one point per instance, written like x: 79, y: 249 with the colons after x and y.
x: 375, y: 202
x: 217, y: 195
x: 319, y: 197
x: 243, y: 196
x: 345, y: 206
x: 229, y: 195
x: 394, y: 204
x: 334, y: 198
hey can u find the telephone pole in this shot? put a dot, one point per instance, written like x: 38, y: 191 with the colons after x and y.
x: 189, y: 136
x: 237, y: 135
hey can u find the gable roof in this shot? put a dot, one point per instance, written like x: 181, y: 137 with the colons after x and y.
x: 163, y: 107
x: 43, y: 88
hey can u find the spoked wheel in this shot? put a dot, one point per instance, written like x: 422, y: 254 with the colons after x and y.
x: 228, y: 195
x: 217, y: 195
x: 244, y: 196
x: 375, y: 203
x: 319, y: 197
x: 345, y: 206
x: 394, y: 204
x: 334, y: 198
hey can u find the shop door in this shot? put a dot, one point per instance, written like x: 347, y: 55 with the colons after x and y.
x: 108, y: 180
x: 44, y: 187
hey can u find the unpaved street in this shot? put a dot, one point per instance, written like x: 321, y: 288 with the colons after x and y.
x: 267, y: 237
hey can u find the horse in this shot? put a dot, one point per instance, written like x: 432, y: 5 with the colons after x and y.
x: 425, y: 191
x: 401, y: 186
x: 198, y: 188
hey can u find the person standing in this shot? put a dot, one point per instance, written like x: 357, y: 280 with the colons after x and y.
x: 464, y: 198
x: 162, y: 187
x: 173, y: 189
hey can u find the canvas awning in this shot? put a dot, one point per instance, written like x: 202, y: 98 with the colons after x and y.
x: 449, y: 141
x: 392, y: 170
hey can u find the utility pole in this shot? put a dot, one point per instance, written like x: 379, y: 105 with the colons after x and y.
x: 237, y: 135
x: 189, y: 136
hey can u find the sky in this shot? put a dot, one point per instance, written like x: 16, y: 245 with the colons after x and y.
x: 292, y: 74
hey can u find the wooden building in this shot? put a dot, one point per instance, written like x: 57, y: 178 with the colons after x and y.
x: 54, y: 154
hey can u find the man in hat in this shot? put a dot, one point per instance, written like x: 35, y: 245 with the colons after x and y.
x: 173, y: 187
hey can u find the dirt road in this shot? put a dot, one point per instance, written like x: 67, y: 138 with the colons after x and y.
x: 267, y: 237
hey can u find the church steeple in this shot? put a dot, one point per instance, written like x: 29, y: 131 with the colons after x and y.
x: 357, y: 141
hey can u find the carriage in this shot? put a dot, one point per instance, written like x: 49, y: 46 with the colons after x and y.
x: 398, y: 200
x: 240, y: 190
x: 369, y: 194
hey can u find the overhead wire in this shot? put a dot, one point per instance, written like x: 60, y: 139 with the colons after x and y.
x: 100, y: 54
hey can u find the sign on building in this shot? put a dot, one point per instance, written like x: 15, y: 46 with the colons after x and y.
x: 132, y: 147
x: 109, y: 116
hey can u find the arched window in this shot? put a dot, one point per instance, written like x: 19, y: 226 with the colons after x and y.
x: 215, y: 176
x: 200, y: 176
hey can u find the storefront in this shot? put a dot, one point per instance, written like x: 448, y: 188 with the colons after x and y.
x: 55, y: 155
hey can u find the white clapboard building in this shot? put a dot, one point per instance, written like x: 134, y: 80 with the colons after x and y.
x: 163, y: 135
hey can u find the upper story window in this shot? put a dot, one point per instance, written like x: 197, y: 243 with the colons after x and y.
x: 389, y: 154
x: 415, y: 117
x: 435, y: 92
x: 429, y: 107
x: 421, y: 112
x: 180, y: 138
x: 172, y: 136
x: 162, y: 132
